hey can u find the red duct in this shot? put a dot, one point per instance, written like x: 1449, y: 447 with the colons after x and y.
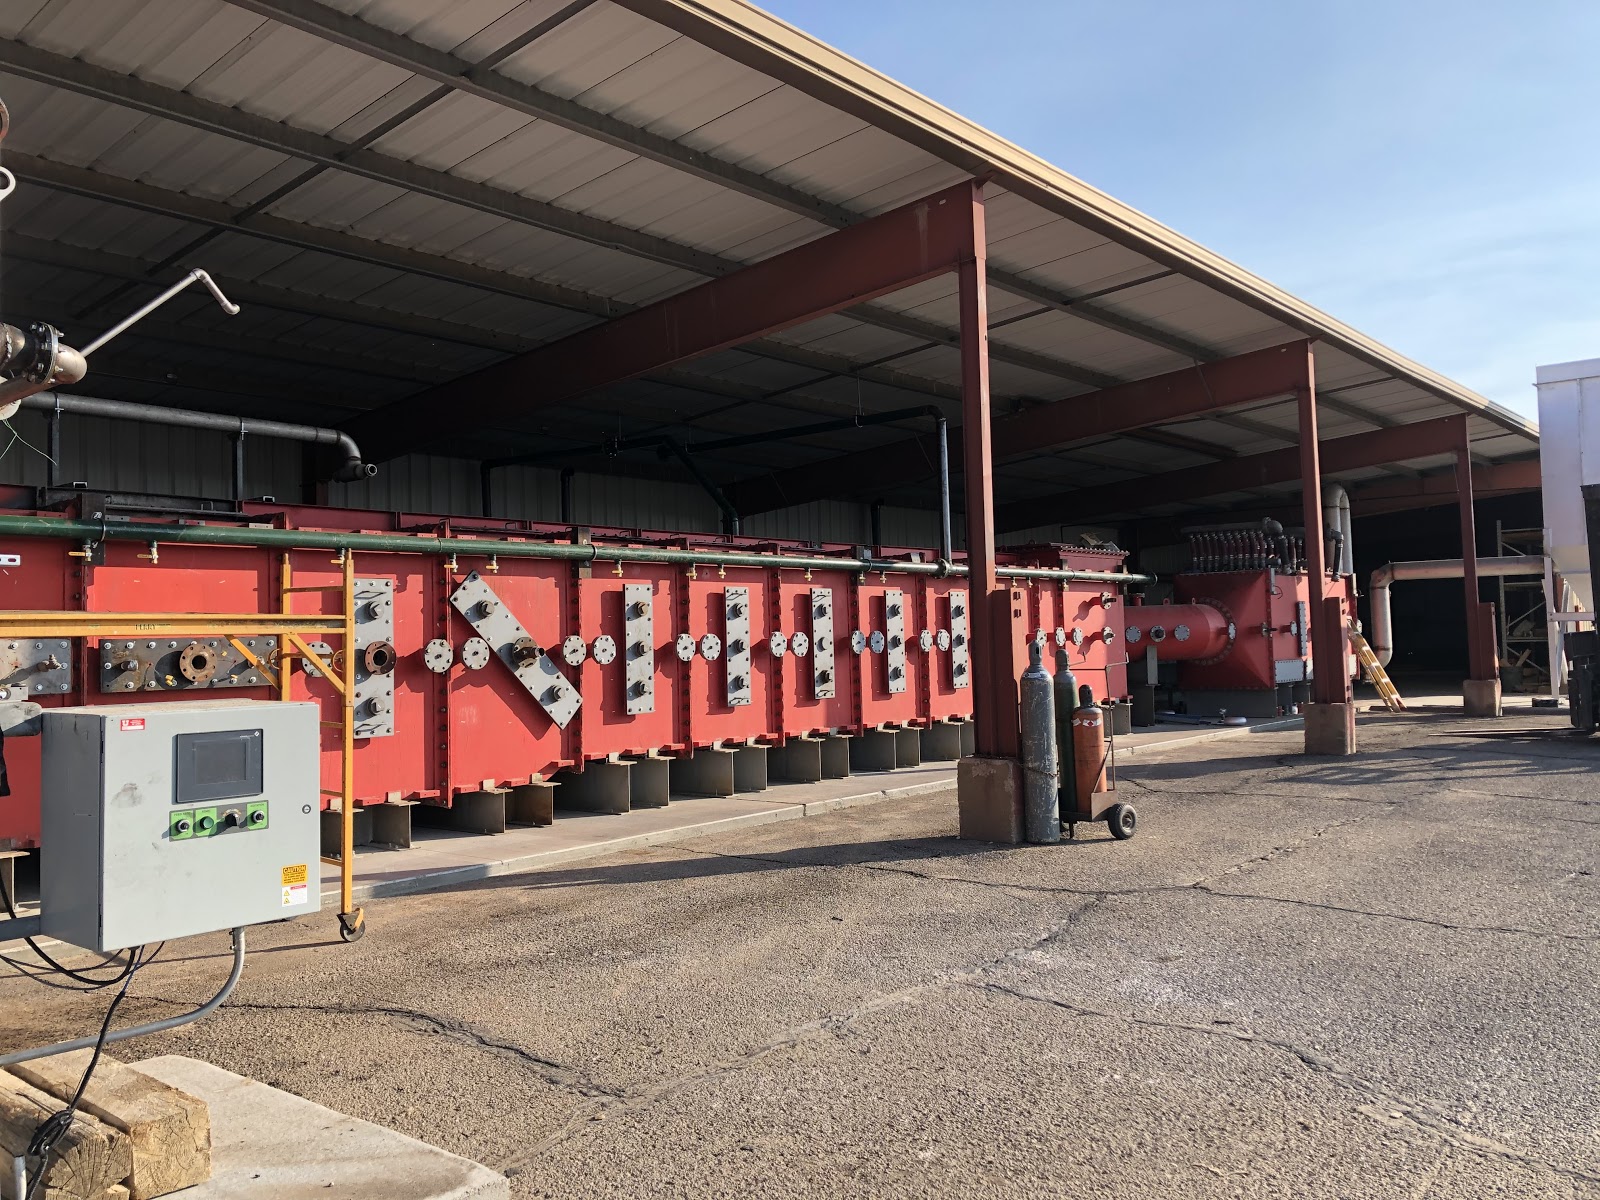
x: 1179, y: 632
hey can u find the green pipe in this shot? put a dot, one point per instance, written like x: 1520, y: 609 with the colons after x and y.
x: 121, y: 529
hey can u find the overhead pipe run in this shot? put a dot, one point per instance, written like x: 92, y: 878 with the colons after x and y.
x: 351, y: 469
x: 92, y: 532
x: 1382, y: 639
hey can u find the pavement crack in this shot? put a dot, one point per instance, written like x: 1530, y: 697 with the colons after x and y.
x: 1380, y: 1105
x: 1523, y: 931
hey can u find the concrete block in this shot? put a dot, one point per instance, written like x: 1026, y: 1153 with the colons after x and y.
x: 391, y: 824
x: 874, y: 750
x: 969, y: 739
x: 361, y: 830
x: 270, y: 1145
x: 989, y: 799
x: 941, y: 742
x: 469, y: 812
x: 708, y: 773
x: 1330, y: 729
x: 750, y: 769
x: 650, y: 783
x: 601, y: 787
x: 1481, y: 697
x: 799, y: 760
x: 532, y: 804
x: 908, y: 747
x: 836, y: 756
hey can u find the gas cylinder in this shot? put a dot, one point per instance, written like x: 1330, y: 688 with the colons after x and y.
x: 1088, y: 746
x: 1066, y: 694
x: 1040, y: 771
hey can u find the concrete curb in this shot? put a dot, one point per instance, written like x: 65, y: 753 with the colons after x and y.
x: 1204, y: 734
x: 432, y: 881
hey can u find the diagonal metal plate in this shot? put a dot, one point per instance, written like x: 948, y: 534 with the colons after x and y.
x: 487, y: 613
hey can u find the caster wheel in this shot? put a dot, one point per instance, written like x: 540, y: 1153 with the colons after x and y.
x: 1122, y: 821
x: 352, y: 926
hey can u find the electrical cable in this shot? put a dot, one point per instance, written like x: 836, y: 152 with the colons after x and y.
x: 90, y: 983
x: 54, y: 1127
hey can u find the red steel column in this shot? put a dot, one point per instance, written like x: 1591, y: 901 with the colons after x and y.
x: 1330, y: 684
x: 994, y: 676
x: 1478, y: 655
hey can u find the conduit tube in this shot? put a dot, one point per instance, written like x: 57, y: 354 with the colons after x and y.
x: 121, y: 529
x: 351, y: 467
x: 1382, y: 639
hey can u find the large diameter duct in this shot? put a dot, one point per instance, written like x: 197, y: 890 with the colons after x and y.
x: 1336, y: 524
x: 1382, y: 640
x: 1179, y: 632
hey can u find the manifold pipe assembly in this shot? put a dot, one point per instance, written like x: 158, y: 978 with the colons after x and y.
x: 1382, y: 639
x: 351, y: 467
x: 96, y: 530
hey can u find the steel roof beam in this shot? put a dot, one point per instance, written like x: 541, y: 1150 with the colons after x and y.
x: 481, y: 80
x: 97, y: 185
x: 129, y: 91
x: 1194, y: 391
x: 900, y: 248
x: 1441, y: 435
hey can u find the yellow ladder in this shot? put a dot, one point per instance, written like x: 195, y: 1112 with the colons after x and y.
x: 1375, y: 672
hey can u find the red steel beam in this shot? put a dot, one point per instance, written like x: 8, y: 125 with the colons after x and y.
x: 1441, y: 435
x: 893, y: 250
x: 1488, y: 480
x: 1191, y: 392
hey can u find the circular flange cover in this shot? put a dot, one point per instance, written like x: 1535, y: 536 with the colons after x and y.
x: 877, y: 641
x: 942, y: 639
x: 711, y: 647
x: 800, y: 644
x: 1108, y: 635
x: 1181, y: 632
x: 925, y: 640
x: 778, y: 644
x: 685, y: 647
x: 475, y: 654
x: 604, y: 649
x: 574, y: 650
x: 1077, y: 636
x: 858, y: 641
x: 1135, y: 635
x: 1040, y: 637
x: 1061, y: 636
x: 437, y: 656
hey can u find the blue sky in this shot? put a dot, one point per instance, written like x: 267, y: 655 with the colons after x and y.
x: 1427, y: 172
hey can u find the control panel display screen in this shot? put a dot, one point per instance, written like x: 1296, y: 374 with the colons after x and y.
x: 224, y: 765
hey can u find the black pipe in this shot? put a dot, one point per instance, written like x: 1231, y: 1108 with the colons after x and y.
x: 485, y: 488
x: 566, y: 495
x: 239, y: 485
x: 730, y: 514
x: 350, y: 469
x: 875, y: 510
x: 53, y: 469
x: 946, y: 541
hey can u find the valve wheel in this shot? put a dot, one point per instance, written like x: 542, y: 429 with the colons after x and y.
x: 475, y: 654
x: 800, y: 644
x: 604, y: 649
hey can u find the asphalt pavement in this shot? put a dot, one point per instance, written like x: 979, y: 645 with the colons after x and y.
x: 1365, y: 977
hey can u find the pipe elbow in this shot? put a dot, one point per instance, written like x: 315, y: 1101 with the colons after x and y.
x: 353, y: 470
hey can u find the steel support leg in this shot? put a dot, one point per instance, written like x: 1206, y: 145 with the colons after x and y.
x: 1330, y: 719
x: 1480, y: 693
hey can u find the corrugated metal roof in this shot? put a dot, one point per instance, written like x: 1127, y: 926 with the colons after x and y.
x: 510, y: 171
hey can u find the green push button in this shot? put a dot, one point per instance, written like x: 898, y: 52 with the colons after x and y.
x: 180, y: 826
x: 255, y: 815
x: 205, y: 822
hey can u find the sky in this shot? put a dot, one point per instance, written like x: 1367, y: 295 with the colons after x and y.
x: 1427, y: 172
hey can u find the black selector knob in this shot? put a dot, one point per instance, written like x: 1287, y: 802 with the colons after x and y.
x: 258, y: 817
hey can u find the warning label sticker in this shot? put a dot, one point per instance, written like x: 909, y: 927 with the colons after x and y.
x: 132, y: 723
x: 296, y: 889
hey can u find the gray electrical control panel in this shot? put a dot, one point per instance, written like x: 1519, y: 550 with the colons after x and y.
x: 167, y: 820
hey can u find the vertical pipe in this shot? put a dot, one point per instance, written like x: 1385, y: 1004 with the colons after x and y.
x: 994, y: 691
x: 946, y: 537
x: 875, y: 531
x: 347, y: 779
x: 566, y: 495
x: 239, y: 487
x: 53, y: 459
x: 486, y: 488
x: 1327, y: 650
x: 1477, y: 659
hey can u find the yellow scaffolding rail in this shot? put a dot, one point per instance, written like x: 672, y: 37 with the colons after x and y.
x: 291, y: 630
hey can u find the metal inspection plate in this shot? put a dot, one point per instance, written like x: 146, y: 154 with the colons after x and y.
x: 476, y: 601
